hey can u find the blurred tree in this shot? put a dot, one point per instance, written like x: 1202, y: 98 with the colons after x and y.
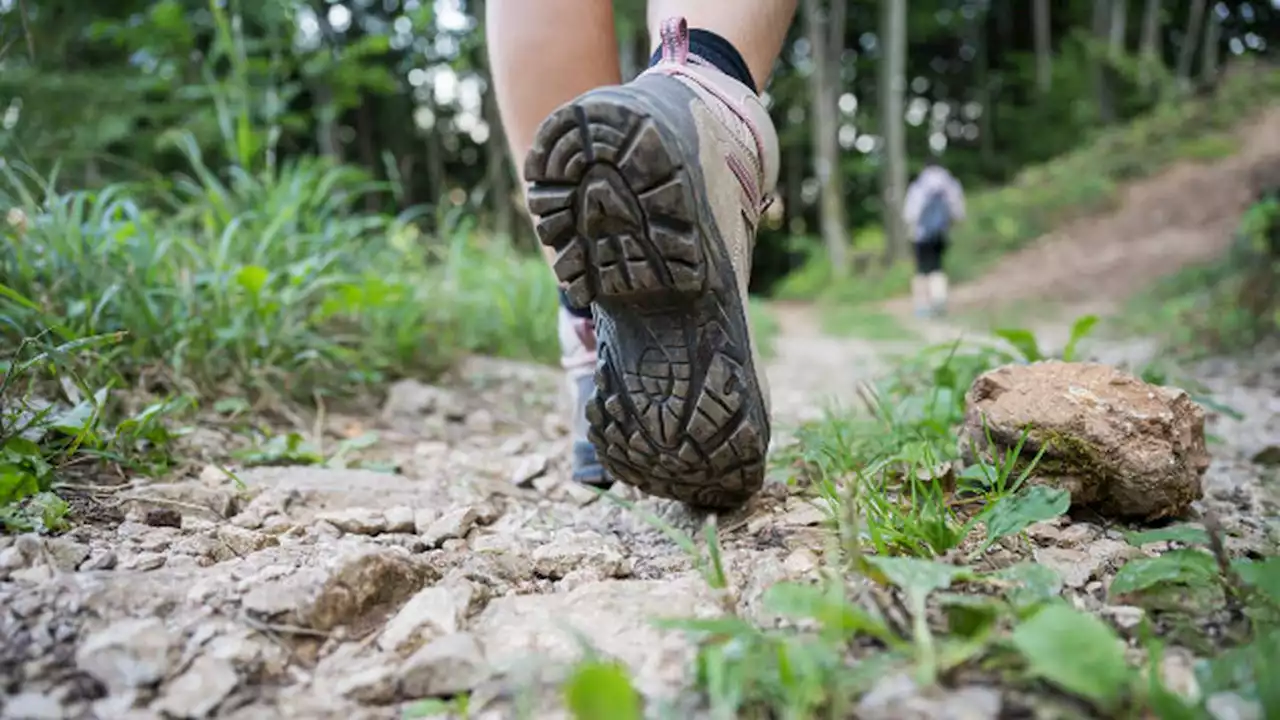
x: 825, y: 28
x: 100, y: 90
x: 893, y: 85
x: 1186, y: 56
x: 1149, y: 47
x: 1044, y: 49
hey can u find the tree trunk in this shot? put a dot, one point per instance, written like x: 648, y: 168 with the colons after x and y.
x: 326, y: 121
x: 981, y: 70
x: 326, y: 110
x: 1209, y: 57
x: 629, y: 51
x: 893, y: 82
x: 498, y: 170
x: 1101, y: 76
x: 1149, y: 49
x: 497, y: 166
x: 435, y: 157
x: 1119, y: 24
x: 824, y: 93
x: 1044, y: 51
x: 1187, y: 53
x: 365, y: 131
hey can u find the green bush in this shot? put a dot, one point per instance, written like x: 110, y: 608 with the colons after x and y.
x: 1230, y: 304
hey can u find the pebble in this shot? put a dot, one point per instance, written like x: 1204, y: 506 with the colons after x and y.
x: 127, y: 655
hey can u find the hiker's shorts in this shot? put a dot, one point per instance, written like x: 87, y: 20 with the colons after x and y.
x: 929, y: 252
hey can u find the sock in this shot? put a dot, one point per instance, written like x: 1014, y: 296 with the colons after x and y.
x: 938, y: 288
x: 920, y: 291
x: 576, y: 312
x: 717, y: 51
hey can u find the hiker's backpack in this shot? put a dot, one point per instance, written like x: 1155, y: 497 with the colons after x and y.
x: 935, y: 217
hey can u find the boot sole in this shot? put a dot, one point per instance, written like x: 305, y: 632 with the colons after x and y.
x: 678, y: 411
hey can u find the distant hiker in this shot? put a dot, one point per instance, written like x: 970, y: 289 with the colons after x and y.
x: 934, y: 201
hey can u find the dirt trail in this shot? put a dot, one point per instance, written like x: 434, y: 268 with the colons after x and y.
x: 1181, y: 216
x: 313, y: 592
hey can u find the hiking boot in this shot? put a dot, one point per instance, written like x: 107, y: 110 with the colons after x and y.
x: 578, y: 357
x: 650, y: 194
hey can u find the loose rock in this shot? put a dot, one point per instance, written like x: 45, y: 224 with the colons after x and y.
x: 31, y: 706
x: 452, y: 525
x: 447, y: 666
x: 433, y: 612
x: 198, y: 691
x: 530, y: 468
x: 127, y: 655
x: 359, y: 521
x: 897, y: 697
x: 1127, y: 448
x: 615, y: 617
x: 162, y: 517
x: 66, y: 554
x: 343, y: 593
x: 583, y: 551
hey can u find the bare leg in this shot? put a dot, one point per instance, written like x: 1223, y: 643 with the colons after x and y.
x: 938, y: 291
x: 756, y: 28
x: 543, y: 54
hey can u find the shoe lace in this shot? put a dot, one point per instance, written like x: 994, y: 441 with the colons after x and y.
x: 674, y: 33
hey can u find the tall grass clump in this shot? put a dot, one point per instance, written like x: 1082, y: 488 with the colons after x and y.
x: 252, y: 272
x: 270, y: 280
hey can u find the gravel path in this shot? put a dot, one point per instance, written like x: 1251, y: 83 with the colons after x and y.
x: 313, y: 592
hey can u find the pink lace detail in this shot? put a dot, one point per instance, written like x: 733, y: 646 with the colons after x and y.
x: 675, y: 40
x: 586, y: 331
x: 675, y: 51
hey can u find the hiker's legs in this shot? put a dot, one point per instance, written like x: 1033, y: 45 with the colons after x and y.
x: 543, y: 54
x: 649, y: 194
x: 756, y: 29
x: 926, y: 256
x: 938, y: 279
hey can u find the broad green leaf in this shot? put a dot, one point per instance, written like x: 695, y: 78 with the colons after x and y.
x: 1036, y: 583
x: 1186, y: 534
x: 601, y: 691
x: 918, y: 578
x: 16, y: 484
x: 1177, y: 566
x: 1264, y: 575
x: 969, y: 615
x: 1014, y: 513
x: 253, y: 278
x: 1075, y: 651
x: 1266, y: 668
x: 22, y: 452
x: 1024, y: 341
x: 231, y: 406
x: 1079, y: 330
x: 50, y: 509
x: 828, y: 606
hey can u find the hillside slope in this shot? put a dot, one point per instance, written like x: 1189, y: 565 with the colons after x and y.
x: 1183, y: 215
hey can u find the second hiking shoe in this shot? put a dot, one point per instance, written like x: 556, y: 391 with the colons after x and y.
x: 650, y: 194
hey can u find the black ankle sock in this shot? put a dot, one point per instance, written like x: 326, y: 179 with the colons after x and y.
x: 576, y: 312
x: 719, y: 52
